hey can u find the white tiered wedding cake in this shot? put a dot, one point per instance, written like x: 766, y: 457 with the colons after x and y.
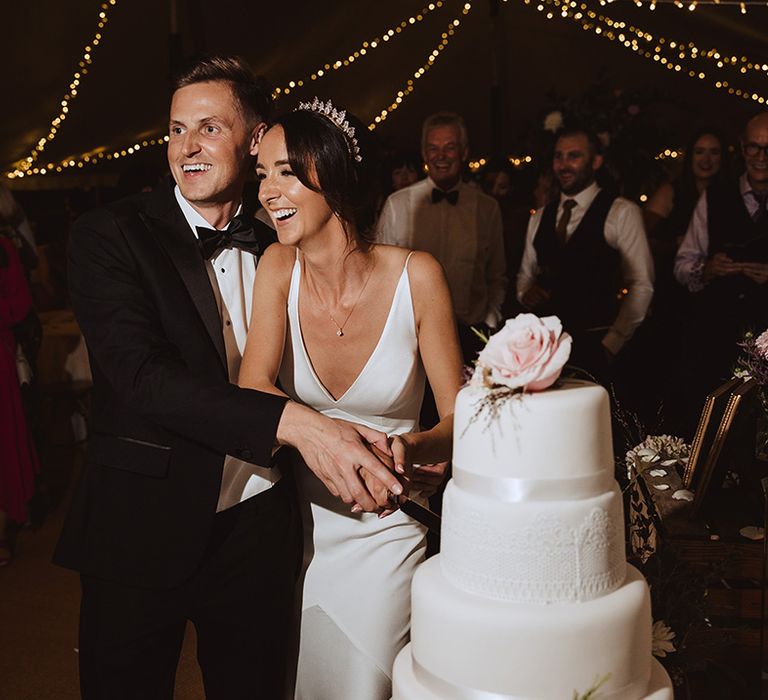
x: 531, y: 596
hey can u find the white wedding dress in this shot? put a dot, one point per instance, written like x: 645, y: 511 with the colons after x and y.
x: 356, y: 603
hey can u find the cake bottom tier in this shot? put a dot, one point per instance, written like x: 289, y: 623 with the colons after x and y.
x: 524, y: 650
x: 409, y: 684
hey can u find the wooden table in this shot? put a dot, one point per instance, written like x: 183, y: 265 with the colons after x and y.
x: 735, y: 597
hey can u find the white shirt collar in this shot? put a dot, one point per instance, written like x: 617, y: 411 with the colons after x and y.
x: 194, y: 218
x: 583, y: 198
x: 432, y: 185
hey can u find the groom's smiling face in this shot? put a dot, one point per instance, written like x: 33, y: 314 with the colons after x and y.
x: 211, y: 145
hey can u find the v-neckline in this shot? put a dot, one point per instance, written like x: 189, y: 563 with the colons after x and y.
x: 368, y: 362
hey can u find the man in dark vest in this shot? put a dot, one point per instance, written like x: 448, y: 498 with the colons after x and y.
x: 587, y: 259
x: 723, y: 261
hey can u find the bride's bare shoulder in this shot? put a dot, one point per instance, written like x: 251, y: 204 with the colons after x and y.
x: 278, y: 256
x: 276, y: 263
x: 425, y: 273
x: 419, y: 263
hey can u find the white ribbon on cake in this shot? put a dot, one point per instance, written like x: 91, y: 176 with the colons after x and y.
x: 516, y: 490
x: 446, y: 689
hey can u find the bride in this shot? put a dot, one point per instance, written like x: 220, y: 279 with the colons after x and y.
x: 349, y: 328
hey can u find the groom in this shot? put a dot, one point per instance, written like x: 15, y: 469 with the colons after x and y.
x: 178, y: 516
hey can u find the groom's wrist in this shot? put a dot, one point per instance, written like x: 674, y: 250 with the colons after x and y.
x: 295, y: 422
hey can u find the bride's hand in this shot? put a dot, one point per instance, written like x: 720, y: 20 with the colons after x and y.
x: 427, y: 478
x: 377, y: 490
x: 400, y: 449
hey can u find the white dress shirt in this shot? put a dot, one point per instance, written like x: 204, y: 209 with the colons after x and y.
x: 624, y: 232
x: 466, y: 238
x: 693, y: 252
x: 232, y: 272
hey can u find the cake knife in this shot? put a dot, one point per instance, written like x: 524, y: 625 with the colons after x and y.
x: 419, y: 513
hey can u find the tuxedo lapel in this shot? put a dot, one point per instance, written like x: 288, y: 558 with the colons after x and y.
x: 165, y: 220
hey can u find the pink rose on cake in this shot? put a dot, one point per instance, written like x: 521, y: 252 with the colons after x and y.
x: 528, y: 353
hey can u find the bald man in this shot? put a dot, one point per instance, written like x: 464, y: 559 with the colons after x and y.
x: 723, y: 261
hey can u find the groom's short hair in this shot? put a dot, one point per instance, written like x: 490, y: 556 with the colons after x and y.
x: 252, y: 93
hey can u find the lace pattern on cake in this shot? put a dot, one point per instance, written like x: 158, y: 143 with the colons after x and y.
x: 547, y: 561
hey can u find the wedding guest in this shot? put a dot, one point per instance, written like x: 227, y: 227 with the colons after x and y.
x: 513, y: 190
x: 14, y: 224
x: 458, y: 224
x: 400, y: 170
x: 405, y: 169
x: 18, y: 460
x: 669, y: 209
x: 723, y: 261
x: 658, y: 346
x: 581, y: 252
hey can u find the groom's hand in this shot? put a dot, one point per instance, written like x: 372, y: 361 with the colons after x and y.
x: 336, y: 451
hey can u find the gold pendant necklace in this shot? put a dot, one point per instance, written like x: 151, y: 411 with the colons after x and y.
x: 340, y: 327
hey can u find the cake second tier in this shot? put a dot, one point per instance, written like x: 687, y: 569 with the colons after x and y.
x: 533, y: 551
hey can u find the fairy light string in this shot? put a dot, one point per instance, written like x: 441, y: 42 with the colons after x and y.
x: 410, y: 85
x: 28, y: 166
x: 25, y: 165
x: 680, y: 57
x: 364, y: 49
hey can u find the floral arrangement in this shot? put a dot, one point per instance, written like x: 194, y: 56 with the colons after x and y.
x: 753, y: 363
x: 678, y: 587
x: 657, y: 451
x: 527, y: 354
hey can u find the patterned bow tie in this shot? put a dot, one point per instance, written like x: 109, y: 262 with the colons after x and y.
x: 439, y: 195
x: 239, y: 234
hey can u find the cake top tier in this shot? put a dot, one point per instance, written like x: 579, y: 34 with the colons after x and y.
x: 560, y: 433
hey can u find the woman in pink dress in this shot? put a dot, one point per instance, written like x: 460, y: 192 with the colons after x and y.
x: 18, y: 461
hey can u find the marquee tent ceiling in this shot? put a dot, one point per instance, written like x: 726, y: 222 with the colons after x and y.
x: 124, y: 97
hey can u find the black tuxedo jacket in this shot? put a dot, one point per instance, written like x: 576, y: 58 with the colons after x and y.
x: 163, y: 411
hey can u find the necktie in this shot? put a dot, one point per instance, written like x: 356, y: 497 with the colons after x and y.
x: 562, y: 226
x: 239, y: 234
x: 762, y: 199
x: 439, y: 195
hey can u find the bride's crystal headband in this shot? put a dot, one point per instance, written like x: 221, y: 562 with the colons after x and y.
x: 336, y: 117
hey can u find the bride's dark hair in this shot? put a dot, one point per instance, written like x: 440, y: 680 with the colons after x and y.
x: 319, y: 155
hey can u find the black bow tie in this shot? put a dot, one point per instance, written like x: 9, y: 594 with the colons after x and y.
x: 239, y: 234
x: 439, y: 195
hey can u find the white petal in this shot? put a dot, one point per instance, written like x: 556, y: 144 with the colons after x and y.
x: 668, y: 462
x: 683, y: 495
x: 658, y: 472
x: 752, y: 533
x: 661, y: 487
